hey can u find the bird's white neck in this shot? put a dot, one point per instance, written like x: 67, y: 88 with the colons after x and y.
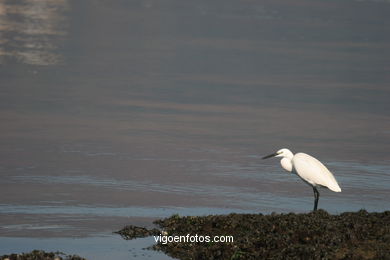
x: 286, y: 164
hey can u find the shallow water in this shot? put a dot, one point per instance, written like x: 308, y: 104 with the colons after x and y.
x: 104, y: 247
x: 122, y: 113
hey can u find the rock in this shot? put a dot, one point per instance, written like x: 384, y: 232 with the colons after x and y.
x: 130, y: 232
x: 41, y: 255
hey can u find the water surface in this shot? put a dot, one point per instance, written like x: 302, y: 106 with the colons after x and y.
x: 123, y: 112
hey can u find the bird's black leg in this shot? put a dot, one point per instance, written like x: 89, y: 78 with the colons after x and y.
x: 316, y: 197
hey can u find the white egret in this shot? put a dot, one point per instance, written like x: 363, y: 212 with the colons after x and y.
x: 309, y: 169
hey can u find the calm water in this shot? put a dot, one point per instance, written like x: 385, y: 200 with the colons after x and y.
x: 121, y: 112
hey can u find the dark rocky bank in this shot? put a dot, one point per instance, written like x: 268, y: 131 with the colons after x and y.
x: 41, y: 255
x: 315, y: 235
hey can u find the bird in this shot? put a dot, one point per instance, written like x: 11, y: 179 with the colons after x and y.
x: 309, y: 169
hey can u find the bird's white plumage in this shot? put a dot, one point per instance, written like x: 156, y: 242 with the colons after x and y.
x: 314, y: 172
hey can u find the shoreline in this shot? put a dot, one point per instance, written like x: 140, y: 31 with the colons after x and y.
x: 314, y: 235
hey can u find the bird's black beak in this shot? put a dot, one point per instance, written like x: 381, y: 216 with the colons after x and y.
x: 269, y: 156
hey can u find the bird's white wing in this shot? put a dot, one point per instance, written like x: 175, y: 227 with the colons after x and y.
x: 314, y: 172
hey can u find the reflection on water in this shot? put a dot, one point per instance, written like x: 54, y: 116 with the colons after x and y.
x: 31, y: 31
